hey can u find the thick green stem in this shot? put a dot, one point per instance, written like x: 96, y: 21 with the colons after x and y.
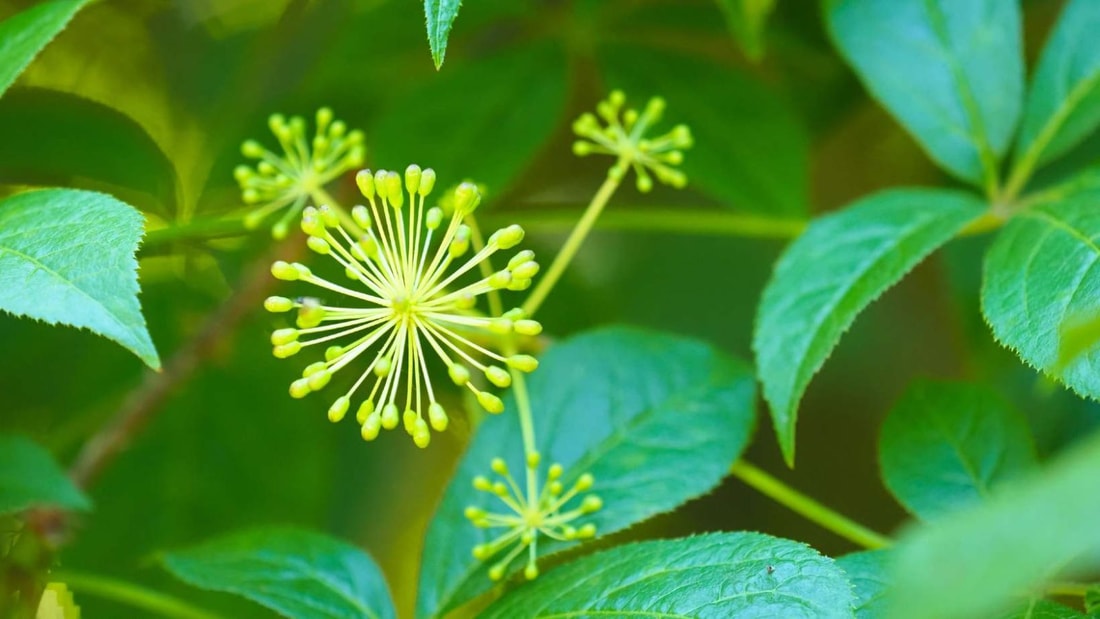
x: 695, y: 221
x: 130, y: 594
x: 807, y: 507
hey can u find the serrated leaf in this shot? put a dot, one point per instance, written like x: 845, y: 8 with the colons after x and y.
x: 1063, y: 104
x: 948, y: 445
x: 440, y: 16
x: 296, y: 573
x: 933, y: 65
x: 704, y: 577
x: 746, y: 19
x: 867, y: 571
x: 656, y: 419
x: 29, y: 477
x: 1040, y: 280
x: 1042, y: 609
x: 751, y: 150
x: 67, y: 256
x: 841, y: 264
x: 464, y: 113
x: 23, y: 35
x: 978, y: 561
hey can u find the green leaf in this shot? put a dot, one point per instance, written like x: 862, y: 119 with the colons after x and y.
x: 746, y: 19
x: 23, y: 35
x: 1040, y: 281
x: 867, y: 571
x: 1042, y: 609
x: 841, y: 264
x: 656, y: 419
x: 464, y: 114
x: 297, y: 573
x: 706, y: 576
x: 67, y: 256
x: 751, y: 150
x: 1063, y: 105
x: 440, y: 16
x: 29, y: 477
x: 948, y: 445
x: 976, y: 561
x: 1092, y: 600
x: 951, y: 71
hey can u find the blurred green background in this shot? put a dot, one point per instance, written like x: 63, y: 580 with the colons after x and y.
x: 149, y: 101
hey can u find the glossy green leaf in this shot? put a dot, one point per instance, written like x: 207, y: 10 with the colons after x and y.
x: 30, y: 477
x: 1040, y: 280
x: 484, y: 121
x: 23, y: 35
x: 948, y: 445
x: 746, y: 20
x: 841, y: 264
x: 951, y: 71
x: 656, y: 419
x: 751, y: 151
x: 297, y: 573
x: 977, y: 561
x: 1063, y: 105
x: 440, y: 15
x: 711, y: 576
x: 867, y: 571
x: 1041, y: 609
x: 67, y: 256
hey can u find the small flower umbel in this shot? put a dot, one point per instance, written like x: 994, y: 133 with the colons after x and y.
x: 300, y: 172
x: 407, y: 305
x: 624, y: 137
x: 527, y: 519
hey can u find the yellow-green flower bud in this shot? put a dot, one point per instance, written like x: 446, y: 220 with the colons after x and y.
x: 412, y: 178
x: 382, y: 368
x: 339, y: 408
x: 496, y: 572
x: 365, y: 410
x: 361, y: 216
x: 313, y: 368
x: 284, y: 271
x: 310, y: 315
x: 528, y: 327
x: 459, y: 374
x: 533, y: 459
x: 300, y: 388
x: 531, y: 572
x: 393, y: 189
x: 252, y: 149
x: 527, y: 270
x: 329, y: 216
x: 365, y: 180
x: 501, y: 326
x: 500, y: 279
x: 466, y: 199
x: 524, y: 256
x: 591, y: 503
x: 490, y: 402
x: 427, y: 182
x: 554, y: 472
x: 333, y: 352
x: 584, y: 482
x: 278, y: 305
x: 437, y: 416
x: 372, y: 425
x: 498, y: 376
x: 318, y: 380
x: 420, y: 435
x: 481, y: 483
x: 523, y: 363
x: 318, y: 245
x: 283, y: 336
x: 519, y: 284
x: 390, y: 416
x: 409, y: 420
x: 588, y: 531
x: 461, y: 241
x: 499, y: 466
x: 507, y: 238
x: 280, y: 230
x: 282, y: 351
x: 433, y: 218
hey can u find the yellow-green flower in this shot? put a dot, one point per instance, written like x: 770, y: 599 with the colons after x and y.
x: 412, y: 298
x: 57, y: 603
x: 302, y: 170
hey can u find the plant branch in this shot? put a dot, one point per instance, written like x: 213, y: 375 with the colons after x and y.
x: 131, y: 595
x: 698, y: 221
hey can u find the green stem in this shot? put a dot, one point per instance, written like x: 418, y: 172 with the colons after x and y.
x: 573, y: 243
x: 807, y: 507
x: 212, y: 228
x: 131, y: 595
x: 675, y: 220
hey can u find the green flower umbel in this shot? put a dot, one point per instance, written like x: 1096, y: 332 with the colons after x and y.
x: 626, y: 139
x: 301, y: 171
x: 528, y: 517
x: 406, y: 304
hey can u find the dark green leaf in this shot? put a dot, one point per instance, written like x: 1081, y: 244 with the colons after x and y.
x: 951, y: 71
x: 297, y: 573
x: 1040, y: 280
x: 867, y: 573
x: 484, y: 121
x: 29, y: 477
x: 440, y: 16
x: 1042, y: 609
x: 841, y: 264
x: 67, y: 256
x: 1063, y: 105
x: 746, y: 19
x: 751, y: 151
x: 948, y: 445
x: 976, y: 561
x: 25, y: 34
x: 656, y: 419
x: 708, y: 576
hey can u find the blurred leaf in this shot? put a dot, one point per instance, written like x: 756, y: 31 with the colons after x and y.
x: 841, y: 264
x: 867, y: 573
x: 751, y: 151
x: 1063, y: 105
x: 1092, y: 599
x: 29, y: 477
x: 22, y: 36
x: 656, y: 419
x: 949, y: 445
x: 440, y: 16
x: 483, y: 121
x: 1039, y: 281
x: 297, y: 573
x: 67, y: 256
x: 714, y: 575
x: 746, y: 20
x: 935, y: 64
x: 1042, y: 609
x: 978, y: 560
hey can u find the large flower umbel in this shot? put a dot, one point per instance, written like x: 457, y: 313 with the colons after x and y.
x: 412, y: 299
